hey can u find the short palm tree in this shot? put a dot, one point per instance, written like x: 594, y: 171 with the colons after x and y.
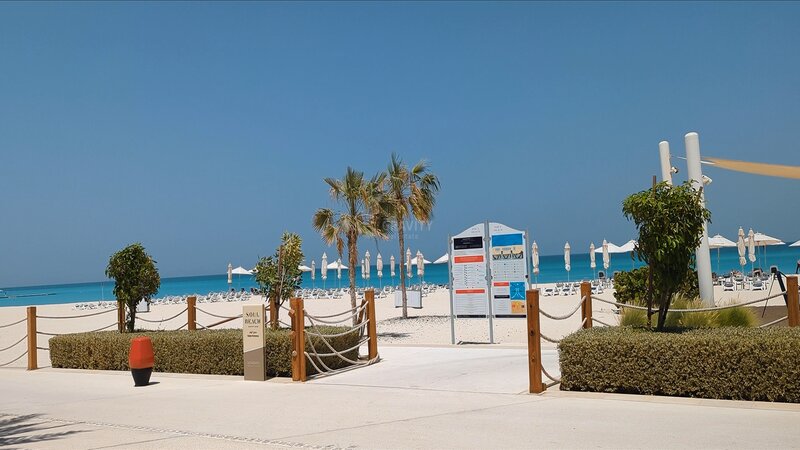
x: 362, y: 216
x: 409, y: 193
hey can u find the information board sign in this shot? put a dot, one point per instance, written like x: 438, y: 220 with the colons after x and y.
x: 509, y: 269
x: 253, y: 342
x: 470, y: 289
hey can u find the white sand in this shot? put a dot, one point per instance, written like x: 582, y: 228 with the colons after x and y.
x: 427, y: 326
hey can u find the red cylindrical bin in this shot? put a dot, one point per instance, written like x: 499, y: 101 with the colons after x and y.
x: 141, y: 359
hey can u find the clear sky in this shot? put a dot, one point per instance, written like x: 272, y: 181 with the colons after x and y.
x: 205, y: 130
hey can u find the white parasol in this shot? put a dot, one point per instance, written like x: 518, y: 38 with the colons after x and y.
x: 566, y: 259
x: 391, y: 268
x: 443, y: 259
x: 379, y: 268
x: 420, y: 264
x: 592, y: 263
x: 408, y: 263
x: 751, y: 248
x: 718, y: 241
x: 324, y: 268
x: 606, y: 257
x: 741, y: 247
x: 367, y: 264
x: 535, y: 258
x: 230, y: 275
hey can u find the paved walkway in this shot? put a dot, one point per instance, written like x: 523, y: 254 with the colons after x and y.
x: 415, y: 398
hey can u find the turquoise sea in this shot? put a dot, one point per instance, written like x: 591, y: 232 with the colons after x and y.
x: 551, y: 270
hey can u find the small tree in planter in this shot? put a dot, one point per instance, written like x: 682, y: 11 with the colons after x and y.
x: 670, y: 221
x: 279, y: 275
x: 135, y: 278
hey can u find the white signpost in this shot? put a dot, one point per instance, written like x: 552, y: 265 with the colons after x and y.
x: 488, y: 276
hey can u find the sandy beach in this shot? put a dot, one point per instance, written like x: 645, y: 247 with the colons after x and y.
x: 429, y: 325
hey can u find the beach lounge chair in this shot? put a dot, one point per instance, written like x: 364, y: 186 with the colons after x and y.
x: 728, y: 285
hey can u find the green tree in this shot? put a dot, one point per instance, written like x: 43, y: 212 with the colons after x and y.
x: 670, y: 221
x: 135, y: 278
x: 363, y: 215
x: 279, y: 275
x: 409, y: 193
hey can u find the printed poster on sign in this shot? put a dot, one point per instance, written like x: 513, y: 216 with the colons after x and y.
x: 509, y: 270
x: 468, y: 265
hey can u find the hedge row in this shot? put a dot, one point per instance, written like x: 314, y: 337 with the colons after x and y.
x: 217, y: 352
x: 722, y: 363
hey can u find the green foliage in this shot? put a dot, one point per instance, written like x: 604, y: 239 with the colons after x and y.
x: 135, y: 278
x: 364, y: 214
x: 670, y: 221
x: 409, y: 192
x: 631, y: 287
x: 723, y: 363
x: 216, y: 352
x: 732, y: 317
x: 279, y: 275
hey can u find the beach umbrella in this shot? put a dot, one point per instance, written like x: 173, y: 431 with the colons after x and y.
x: 446, y: 258
x: 535, y: 261
x: 367, y: 264
x: 751, y: 248
x: 796, y: 244
x: 339, y: 271
x: 303, y: 268
x: 313, y: 272
x: 324, y: 268
x: 241, y: 271
x: 566, y: 259
x: 628, y: 247
x: 762, y: 239
x: 379, y: 268
x: 606, y: 257
x: 391, y: 268
x: 408, y: 263
x: 592, y: 264
x: 230, y: 274
x: 420, y: 265
x: 718, y: 241
x: 741, y: 247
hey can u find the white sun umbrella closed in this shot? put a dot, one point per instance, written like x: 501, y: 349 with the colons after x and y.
x: 408, y: 263
x: 379, y: 269
x: 566, y: 259
x: 443, y: 259
x: 592, y: 263
x: 391, y: 267
x: 339, y: 271
x: 313, y: 272
x: 535, y: 261
x: 367, y: 264
x: 751, y: 248
x: 324, y: 269
x: 719, y: 241
x: 362, y: 269
x: 606, y: 257
x: 420, y: 265
x: 740, y: 246
x: 230, y: 273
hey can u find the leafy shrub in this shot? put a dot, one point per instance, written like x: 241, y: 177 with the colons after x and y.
x: 732, y: 317
x: 631, y: 287
x: 723, y: 363
x: 217, y: 352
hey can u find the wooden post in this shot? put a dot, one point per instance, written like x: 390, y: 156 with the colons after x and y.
x: 792, y: 304
x: 273, y: 312
x: 32, y: 361
x: 120, y: 316
x: 191, y: 308
x: 372, y: 326
x: 534, y: 342
x: 586, y: 308
x: 299, y: 340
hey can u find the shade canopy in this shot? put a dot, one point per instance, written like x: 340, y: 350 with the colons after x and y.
x: 612, y: 248
x: 303, y: 268
x: 628, y: 247
x: 241, y: 271
x: 763, y: 239
x: 796, y: 244
x: 336, y: 265
x: 719, y: 241
x: 446, y: 258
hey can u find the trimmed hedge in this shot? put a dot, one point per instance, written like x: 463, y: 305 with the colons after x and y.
x: 722, y: 363
x: 216, y: 352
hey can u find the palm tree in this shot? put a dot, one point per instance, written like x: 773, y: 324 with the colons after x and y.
x: 362, y: 216
x: 409, y: 193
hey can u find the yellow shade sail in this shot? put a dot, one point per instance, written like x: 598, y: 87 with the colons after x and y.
x: 770, y: 170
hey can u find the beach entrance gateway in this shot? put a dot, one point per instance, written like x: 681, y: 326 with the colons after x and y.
x: 488, y: 273
x: 253, y: 342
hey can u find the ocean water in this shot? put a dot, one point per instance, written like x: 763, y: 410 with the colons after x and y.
x: 551, y: 270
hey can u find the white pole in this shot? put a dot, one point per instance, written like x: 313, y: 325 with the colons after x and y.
x: 666, y: 166
x: 695, y: 172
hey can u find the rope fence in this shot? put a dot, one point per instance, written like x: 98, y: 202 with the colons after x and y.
x: 15, y: 359
x: 14, y: 323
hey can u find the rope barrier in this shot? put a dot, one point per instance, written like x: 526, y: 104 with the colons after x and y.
x: 90, y: 331
x: 180, y: 327
x: 567, y: 316
x: 101, y: 329
x: 15, y: 343
x: 601, y: 322
x: 322, y: 373
x: 15, y: 359
x: 773, y: 322
x: 77, y: 316
x: 330, y: 347
x: 330, y: 322
x: 554, y: 341
x: 163, y: 320
x: 351, y: 310
x: 11, y: 324
x: 357, y: 327
x: 691, y: 310
x: 43, y: 348
x: 202, y: 326
x: 216, y: 315
x: 359, y: 344
x: 52, y: 334
x: 556, y: 380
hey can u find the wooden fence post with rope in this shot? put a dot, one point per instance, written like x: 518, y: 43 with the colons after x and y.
x: 372, y: 328
x: 299, y: 340
x: 32, y: 362
x: 792, y: 300
x: 191, y: 308
x: 586, y: 308
x: 120, y: 316
x: 534, y: 342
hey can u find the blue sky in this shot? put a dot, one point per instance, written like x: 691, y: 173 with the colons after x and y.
x: 205, y: 130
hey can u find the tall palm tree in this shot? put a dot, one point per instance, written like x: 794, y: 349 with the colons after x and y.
x: 409, y: 193
x: 363, y: 215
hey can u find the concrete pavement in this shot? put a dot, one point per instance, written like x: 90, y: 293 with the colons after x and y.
x: 417, y: 397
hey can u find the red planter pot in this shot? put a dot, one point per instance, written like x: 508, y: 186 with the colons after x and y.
x: 141, y: 360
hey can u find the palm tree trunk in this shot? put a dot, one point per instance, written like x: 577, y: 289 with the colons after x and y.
x: 352, y: 254
x: 401, y: 238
